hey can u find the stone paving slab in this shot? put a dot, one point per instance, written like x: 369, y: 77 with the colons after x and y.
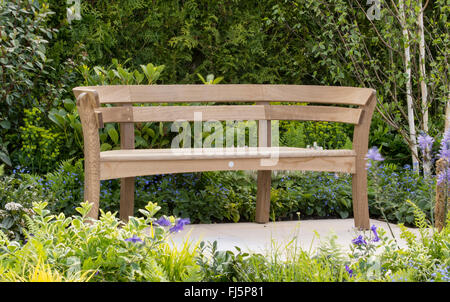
x: 261, y: 238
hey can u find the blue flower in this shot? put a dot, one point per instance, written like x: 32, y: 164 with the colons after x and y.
x: 374, y: 230
x: 162, y: 221
x: 359, y: 240
x: 134, y: 239
x: 179, y: 225
x: 349, y: 271
x: 373, y: 155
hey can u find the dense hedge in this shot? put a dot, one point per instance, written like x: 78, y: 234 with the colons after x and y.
x: 230, y: 38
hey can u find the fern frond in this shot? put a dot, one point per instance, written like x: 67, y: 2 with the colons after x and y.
x: 32, y: 226
x: 420, y: 218
x: 155, y: 271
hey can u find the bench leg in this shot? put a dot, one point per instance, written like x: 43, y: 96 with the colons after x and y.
x: 126, y: 198
x: 360, y: 202
x: 92, y: 189
x: 263, y: 196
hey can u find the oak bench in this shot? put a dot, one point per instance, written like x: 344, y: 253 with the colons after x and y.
x: 128, y: 162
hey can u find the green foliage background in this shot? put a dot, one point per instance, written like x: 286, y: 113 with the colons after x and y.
x: 291, y: 42
x: 221, y: 37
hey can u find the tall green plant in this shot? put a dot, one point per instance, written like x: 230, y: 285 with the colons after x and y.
x: 24, y: 65
x: 146, y: 134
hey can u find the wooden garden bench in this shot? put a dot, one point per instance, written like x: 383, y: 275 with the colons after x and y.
x: 128, y: 162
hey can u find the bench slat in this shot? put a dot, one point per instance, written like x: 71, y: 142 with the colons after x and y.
x: 218, y: 153
x: 116, y: 169
x: 228, y: 93
x: 173, y: 113
x: 314, y: 113
x: 230, y: 112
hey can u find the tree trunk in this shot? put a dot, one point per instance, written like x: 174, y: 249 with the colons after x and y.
x: 423, y: 88
x: 409, y: 100
x: 447, y: 113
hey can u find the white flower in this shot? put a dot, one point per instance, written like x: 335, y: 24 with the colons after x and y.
x: 12, y: 206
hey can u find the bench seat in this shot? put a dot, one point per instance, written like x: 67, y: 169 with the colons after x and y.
x: 129, y: 163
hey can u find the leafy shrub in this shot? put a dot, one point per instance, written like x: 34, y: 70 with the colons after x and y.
x: 63, y: 188
x: 12, y: 220
x: 23, y: 63
x: 68, y: 123
x: 394, y: 185
x: 312, y: 194
x: 16, y: 198
x: 117, y: 74
x: 40, y: 149
x: 390, y: 142
x: 326, y: 134
x: 192, y: 195
x: 137, y: 251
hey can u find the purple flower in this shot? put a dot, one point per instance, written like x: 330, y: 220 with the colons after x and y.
x: 134, y: 239
x: 444, y: 176
x: 444, y: 151
x: 349, y: 271
x: 179, y: 225
x: 425, y: 143
x: 374, y: 230
x: 359, y: 240
x: 373, y: 155
x: 162, y: 221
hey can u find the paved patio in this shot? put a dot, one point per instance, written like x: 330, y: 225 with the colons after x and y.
x: 262, y: 237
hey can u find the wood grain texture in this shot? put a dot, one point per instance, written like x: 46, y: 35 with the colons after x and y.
x: 219, y: 153
x: 314, y: 113
x: 359, y: 178
x: 126, y: 184
x: 264, y: 177
x: 173, y: 113
x: 264, y: 182
x: 442, y: 196
x: 229, y: 92
x: 118, y: 169
x: 230, y: 112
x: 86, y: 104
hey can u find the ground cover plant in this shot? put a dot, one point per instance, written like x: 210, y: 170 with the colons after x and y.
x: 372, y: 256
x: 61, y: 248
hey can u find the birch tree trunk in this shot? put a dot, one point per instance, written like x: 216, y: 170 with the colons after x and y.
x: 423, y: 87
x: 447, y: 113
x: 409, y: 100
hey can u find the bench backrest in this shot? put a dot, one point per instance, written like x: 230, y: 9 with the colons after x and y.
x: 260, y: 94
x: 93, y: 115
